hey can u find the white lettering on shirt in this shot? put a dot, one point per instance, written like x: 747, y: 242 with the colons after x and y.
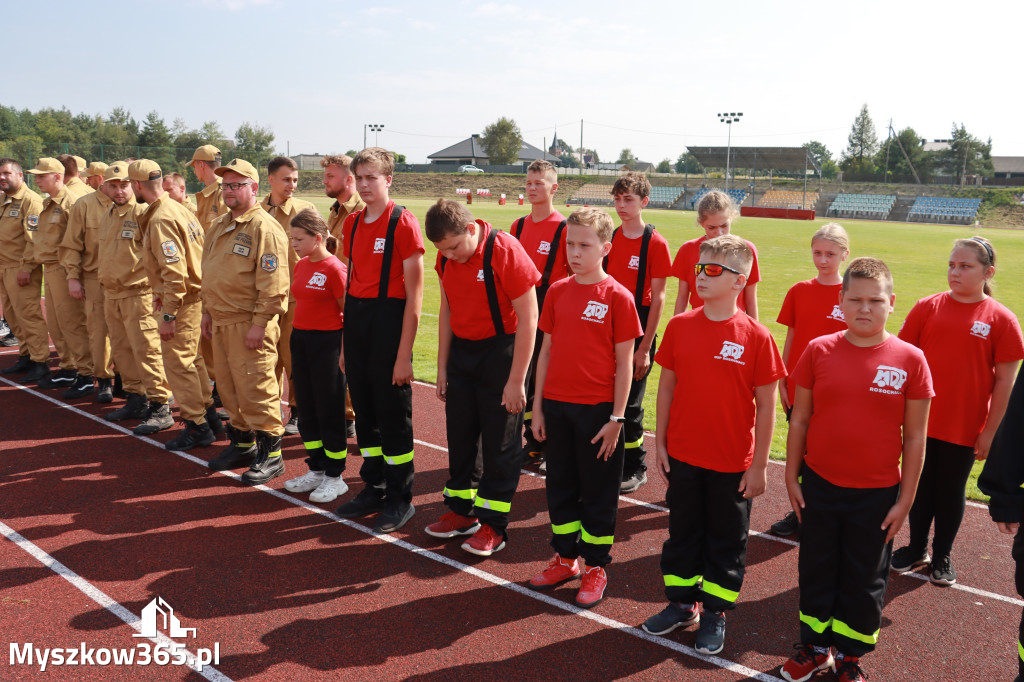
x: 731, y: 352
x: 889, y: 380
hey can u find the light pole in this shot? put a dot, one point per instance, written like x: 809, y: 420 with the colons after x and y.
x: 729, y: 119
x: 376, y: 128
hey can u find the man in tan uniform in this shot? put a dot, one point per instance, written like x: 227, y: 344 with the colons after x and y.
x: 79, y: 256
x: 21, y: 281
x: 128, y: 304
x: 93, y: 174
x: 244, y: 293
x: 283, y: 174
x: 174, y: 185
x: 76, y: 186
x: 65, y: 316
x: 173, y: 240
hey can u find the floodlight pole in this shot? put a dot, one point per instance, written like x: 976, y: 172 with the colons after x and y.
x: 729, y: 119
x: 376, y: 128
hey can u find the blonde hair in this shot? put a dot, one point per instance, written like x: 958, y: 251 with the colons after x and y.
x: 596, y: 219
x: 867, y: 268
x: 985, y: 252
x: 342, y: 161
x: 834, y: 233
x: 378, y: 157
x: 731, y: 249
x: 545, y: 168
x: 715, y: 202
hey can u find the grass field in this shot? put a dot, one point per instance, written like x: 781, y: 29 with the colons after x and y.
x: 915, y: 253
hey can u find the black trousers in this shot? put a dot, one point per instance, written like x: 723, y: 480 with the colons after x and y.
x: 531, y: 386
x: 705, y: 556
x: 843, y: 564
x: 319, y: 386
x: 479, y: 426
x: 383, y: 411
x: 940, y: 495
x: 582, y: 490
x: 1018, y: 577
x: 633, y: 429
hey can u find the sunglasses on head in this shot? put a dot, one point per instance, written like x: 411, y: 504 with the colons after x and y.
x: 713, y: 269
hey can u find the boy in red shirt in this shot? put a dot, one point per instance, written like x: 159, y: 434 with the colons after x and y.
x: 486, y: 329
x: 542, y: 234
x: 862, y: 399
x: 583, y: 374
x: 383, y: 298
x: 716, y: 413
x: 637, y: 248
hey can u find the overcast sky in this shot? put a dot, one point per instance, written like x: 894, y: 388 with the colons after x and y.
x: 650, y: 76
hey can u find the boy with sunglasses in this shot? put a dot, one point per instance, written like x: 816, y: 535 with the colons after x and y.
x: 716, y: 413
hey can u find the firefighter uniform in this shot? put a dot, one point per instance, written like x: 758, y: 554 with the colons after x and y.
x: 78, y: 188
x: 19, y: 221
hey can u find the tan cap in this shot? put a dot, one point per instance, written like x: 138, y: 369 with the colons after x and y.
x: 96, y: 168
x: 143, y: 170
x: 116, y: 171
x: 47, y: 165
x: 81, y: 163
x: 240, y: 166
x: 205, y: 153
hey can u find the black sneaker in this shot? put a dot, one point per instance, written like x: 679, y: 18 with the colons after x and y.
x: 906, y: 559
x: 135, y: 407
x: 82, y: 387
x: 118, y: 390
x: 9, y: 341
x: 157, y: 418
x: 104, y: 393
x: 942, y: 571
x: 394, y: 517
x: 240, y: 451
x: 23, y: 364
x: 632, y: 483
x: 62, y: 379
x: 369, y: 500
x: 216, y: 397
x: 214, y: 421
x: 37, y: 372
x: 711, y: 634
x: 350, y: 430
x: 533, y: 451
x: 673, y: 616
x: 193, y: 435
x: 291, y: 427
x: 787, y: 526
x: 269, y: 462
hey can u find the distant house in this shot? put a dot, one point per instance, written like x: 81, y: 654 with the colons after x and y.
x: 471, y: 151
x: 1008, y: 166
x: 642, y: 166
x: 308, y: 161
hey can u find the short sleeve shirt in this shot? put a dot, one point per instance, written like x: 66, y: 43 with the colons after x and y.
x: 317, y: 288
x: 689, y: 255
x: 537, y: 239
x: 367, y: 253
x: 585, y: 322
x: 810, y: 309
x: 718, y: 364
x: 624, y: 261
x: 963, y: 342
x: 855, y: 436
x: 464, y: 286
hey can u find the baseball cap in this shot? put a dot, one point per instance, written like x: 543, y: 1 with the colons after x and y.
x: 47, y: 165
x: 95, y: 168
x: 81, y: 163
x: 116, y: 171
x: 205, y: 153
x: 240, y: 166
x: 143, y: 170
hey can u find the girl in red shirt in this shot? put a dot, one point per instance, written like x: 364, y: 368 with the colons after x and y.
x: 973, y: 345
x: 318, y: 366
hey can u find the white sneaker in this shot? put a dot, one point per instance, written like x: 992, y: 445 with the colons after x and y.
x: 329, y: 490
x: 304, y: 483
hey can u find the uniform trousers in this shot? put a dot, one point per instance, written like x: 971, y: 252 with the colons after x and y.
x: 24, y: 313
x: 135, y: 345
x: 531, y: 386
x: 705, y: 556
x: 940, y: 495
x: 843, y: 564
x: 66, y: 321
x: 582, y: 489
x: 373, y: 331
x: 477, y: 374
x: 96, y: 325
x: 245, y: 378
x: 633, y: 429
x: 320, y: 384
x: 184, y: 366
x: 284, y: 356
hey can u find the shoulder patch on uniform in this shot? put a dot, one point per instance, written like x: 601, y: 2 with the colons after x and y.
x: 170, y: 249
x: 240, y: 250
x: 33, y: 220
x: 269, y: 262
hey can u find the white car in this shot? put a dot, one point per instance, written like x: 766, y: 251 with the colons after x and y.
x: 470, y: 169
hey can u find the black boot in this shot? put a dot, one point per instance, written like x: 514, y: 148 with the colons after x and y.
x: 118, y: 390
x: 23, y: 364
x: 269, y: 462
x: 37, y: 372
x: 193, y: 435
x: 369, y: 500
x: 64, y: 378
x: 213, y: 419
x: 240, y: 451
x: 158, y: 417
x: 82, y: 387
x: 134, y: 408
x: 216, y: 397
x: 104, y: 394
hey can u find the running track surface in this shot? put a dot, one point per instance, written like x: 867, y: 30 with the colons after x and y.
x: 99, y: 522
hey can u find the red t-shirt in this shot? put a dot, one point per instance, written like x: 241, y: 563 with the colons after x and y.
x: 624, y: 259
x: 463, y: 283
x: 963, y: 342
x: 689, y: 255
x: 536, y: 238
x: 585, y: 322
x: 368, y: 250
x: 855, y: 436
x: 811, y: 309
x: 317, y: 288
x: 718, y: 365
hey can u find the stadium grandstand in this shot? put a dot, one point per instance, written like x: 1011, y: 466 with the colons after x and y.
x: 875, y: 206
x: 944, y: 209
x: 664, y: 197
x: 593, y: 194
x: 738, y: 196
x: 777, y: 198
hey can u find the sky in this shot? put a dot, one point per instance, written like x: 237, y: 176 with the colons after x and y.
x: 648, y: 76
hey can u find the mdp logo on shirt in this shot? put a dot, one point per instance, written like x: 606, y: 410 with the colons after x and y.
x: 732, y: 352
x: 378, y: 245
x: 837, y: 314
x: 544, y: 248
x: 480, y: 275
x: 634, y: 263
x: 889, y: 380
x: 980, y: 329
x: 595, y: 312
x: 317, y: 281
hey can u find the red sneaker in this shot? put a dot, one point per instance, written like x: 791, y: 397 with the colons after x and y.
x: 452, y: 524
x: 485, y: 542
x: 592, y: 590
x: 557, y: 572
x: 806, y: 663
x: 848, y: 669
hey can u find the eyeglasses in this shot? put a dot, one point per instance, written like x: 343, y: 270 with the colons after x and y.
x: 234, y: 185
x: 713, y: 269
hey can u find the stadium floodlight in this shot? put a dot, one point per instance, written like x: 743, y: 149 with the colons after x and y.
x: 376, y: 128
x: 729, y: 119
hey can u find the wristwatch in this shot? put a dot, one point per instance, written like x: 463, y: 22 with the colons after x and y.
x: 617, y: 420
x: 169, y: 318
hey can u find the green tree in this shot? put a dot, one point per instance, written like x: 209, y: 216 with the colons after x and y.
x: 399, y: 158
x: 830, y: 170
x: 211, y: 133
x: 626, y: 157
x: 155, y: 132
x: 352, y: 153
x: 664, y: 167
x: 967, y: 155
x: 819, y: 152
x: 898, y: 166
x: 502, y: 141
x: 862, y: 144
x: 688, y: 163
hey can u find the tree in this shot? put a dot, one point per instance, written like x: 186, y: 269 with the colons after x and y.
x: 898, y: 168
x: 212, y: 134
x: 862, y: 144
x: 399, y: 158
x: 592, y: 153
x: 664, y: 167
x: 688, y: 163
x: 502, y: 141
x: 154, y: 132
x: 254, y: 136
x: 626, y: 157
x: 819, y: 152
x: 967, y: 155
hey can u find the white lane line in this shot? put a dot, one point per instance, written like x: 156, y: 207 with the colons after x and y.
x: 104, y: 600
x: 419, y: 551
